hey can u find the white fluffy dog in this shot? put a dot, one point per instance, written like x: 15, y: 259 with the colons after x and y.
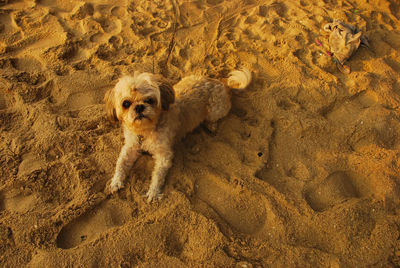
x: 154, y: 115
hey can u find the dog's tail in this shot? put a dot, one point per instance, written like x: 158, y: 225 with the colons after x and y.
x: 239, y: 79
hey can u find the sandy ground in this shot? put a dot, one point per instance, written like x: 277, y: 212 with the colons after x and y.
x: 303, y: 172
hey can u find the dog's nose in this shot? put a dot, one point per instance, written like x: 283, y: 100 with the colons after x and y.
x: 139, y: 108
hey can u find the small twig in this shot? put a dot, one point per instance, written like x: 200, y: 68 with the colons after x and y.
x: 153, y: 52
x: 172, y: 42
x: 175, y: 28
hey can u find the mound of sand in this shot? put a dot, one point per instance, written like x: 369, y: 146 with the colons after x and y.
x: 303, y: 172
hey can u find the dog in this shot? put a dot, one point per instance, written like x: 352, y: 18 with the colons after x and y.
x: 155, y: 115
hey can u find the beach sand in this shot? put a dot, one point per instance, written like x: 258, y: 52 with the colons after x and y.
x: 303, y: 172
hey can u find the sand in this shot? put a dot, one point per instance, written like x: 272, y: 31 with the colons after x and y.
x: 303, y: 172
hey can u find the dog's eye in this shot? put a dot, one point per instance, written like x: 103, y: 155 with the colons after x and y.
x: 126, y: 104
x: 150, y: 101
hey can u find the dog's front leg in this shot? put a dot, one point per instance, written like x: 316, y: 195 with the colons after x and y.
x: 125, y: 161
x: 162, y: 164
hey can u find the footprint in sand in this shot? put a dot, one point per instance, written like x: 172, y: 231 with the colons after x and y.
x: 30, y: 163
x: 118, y: 12
x: 29, y: 64
x: 7, y: 27
x: 82, y: 10
x: 112, y: 27
x: 386, y: 133
x: 81, y: 99
x: 334, y: 189
x: 17, y: 202
x: 110, y: 213
x: 351, y: 110
x: 30, y: 40
x: 79, y: 90
x: 242, y: 210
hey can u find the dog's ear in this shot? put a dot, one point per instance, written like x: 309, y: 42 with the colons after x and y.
x: 110, y: 106
x: 167, y: 95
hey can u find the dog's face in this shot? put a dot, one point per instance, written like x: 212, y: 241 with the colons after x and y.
x: 138, y: 101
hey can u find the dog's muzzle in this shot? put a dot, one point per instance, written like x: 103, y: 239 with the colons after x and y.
x: 139, y: 108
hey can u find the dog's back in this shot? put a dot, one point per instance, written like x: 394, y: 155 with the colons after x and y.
x: 200, y: 99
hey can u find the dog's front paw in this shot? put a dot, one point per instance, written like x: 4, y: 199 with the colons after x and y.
x: 116, y: 184
x: 153, y: 194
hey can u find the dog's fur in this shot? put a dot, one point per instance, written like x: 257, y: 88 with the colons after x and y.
x: 154, y: 115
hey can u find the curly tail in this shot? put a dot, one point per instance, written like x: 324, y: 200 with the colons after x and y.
x: 239, y: 79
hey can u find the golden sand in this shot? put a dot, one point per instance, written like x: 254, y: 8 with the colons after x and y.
x: 303, y: 172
